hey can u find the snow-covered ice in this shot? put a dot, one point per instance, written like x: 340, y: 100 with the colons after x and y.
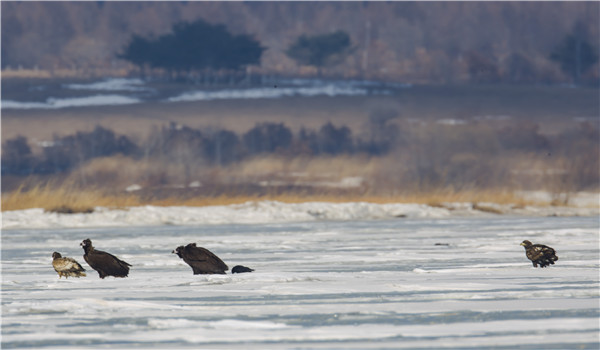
x: 112, y: 84
x: 255, y: 212
x: 381, y: 277
x: 130, y: 91
x: 56, y: 103
x: 270, y: 92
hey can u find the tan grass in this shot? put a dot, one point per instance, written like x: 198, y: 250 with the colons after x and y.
x: 50, y: 198
x: 68, y: 197
x: 486, y: 208
x: 311, y: 168
x: 102, y: 182
x: 439, y: 197
x: 119, y: 172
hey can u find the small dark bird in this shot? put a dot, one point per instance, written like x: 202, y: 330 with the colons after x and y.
x: 105, y: 263
x: 67, y: 267
x: 539, y: 254
x: 201, y: 260
x: 241, y: 269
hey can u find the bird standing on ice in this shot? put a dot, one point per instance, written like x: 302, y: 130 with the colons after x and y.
x: 66, y: 266
x: 201, y: 260
x: 105, y: 263
x: 539, y: 254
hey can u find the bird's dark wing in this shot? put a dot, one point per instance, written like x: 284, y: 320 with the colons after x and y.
x: 534, y: 253
x: 539, y: 251
x: 110, y: 264
x: 203, y: 259
x: 199, y: 254
x: 541, y: 254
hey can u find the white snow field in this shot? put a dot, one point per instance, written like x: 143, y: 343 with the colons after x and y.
x: 321, y: 282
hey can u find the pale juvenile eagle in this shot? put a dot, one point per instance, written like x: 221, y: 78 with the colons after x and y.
x: 67, y: 267
x: 106, y: 264
x: 539, y: 254
x: 201, y: 260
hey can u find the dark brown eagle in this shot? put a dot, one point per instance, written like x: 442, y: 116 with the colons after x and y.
x: 539, y: 254
x: 201, y: 260
x: 106, y: 264
x: 67, y: 267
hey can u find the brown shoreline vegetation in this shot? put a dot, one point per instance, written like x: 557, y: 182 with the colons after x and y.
x: 66, y: 199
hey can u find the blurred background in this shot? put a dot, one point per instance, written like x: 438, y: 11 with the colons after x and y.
x: 179, y: 100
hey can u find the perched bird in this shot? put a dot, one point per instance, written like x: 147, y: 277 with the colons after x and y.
x: 241, y: 269
x: 201, y: 260
x: 106, y: 264
x: 67, y: 267
x: 539, y: 254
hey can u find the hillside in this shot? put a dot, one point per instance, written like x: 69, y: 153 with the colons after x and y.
x: 408, y: 41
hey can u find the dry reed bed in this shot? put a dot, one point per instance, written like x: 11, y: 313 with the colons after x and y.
x: 102, y: 182
x: 66, y: 199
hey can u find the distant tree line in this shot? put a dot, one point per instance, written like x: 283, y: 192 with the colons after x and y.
x: 575, y: 54
x: 199, y: 46
x: 180, y: 143
x: 193, y: 46
x: 64, y: 153
x: 437, y: 156
x: 429, y: 42
x: 202, y: 47
x: 320, y: 50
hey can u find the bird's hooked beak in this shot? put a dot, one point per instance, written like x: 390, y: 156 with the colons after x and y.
x: 522, y: 244
x: 174, y: 252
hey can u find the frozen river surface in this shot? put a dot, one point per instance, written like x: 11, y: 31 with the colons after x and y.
x: 443, y: 283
